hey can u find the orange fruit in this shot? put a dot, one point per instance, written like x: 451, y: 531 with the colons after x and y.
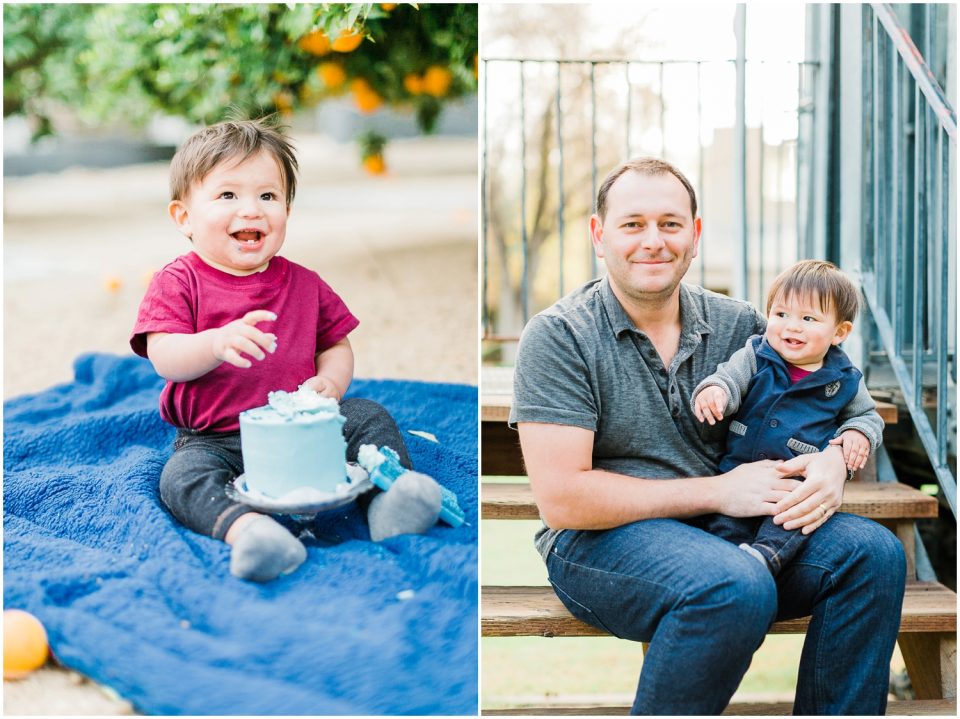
x: 437, y: 80
x: 413, y: 83
x: 284, y: 102
x: 476, y: 68
x: 348, y: 40
x: 112, y: 283
x: 24, y: 644
x: 368, y: 102
x: 316, y: 43
x: 332, y: 74
x: 388, y: 6
x: 374, y: 164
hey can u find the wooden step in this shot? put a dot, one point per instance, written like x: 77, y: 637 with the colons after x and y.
x: 496, y: 396
x: 929, y: 707
x: 928, y: 607
x: 876, y: 500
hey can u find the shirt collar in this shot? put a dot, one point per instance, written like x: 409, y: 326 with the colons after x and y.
x: 691, y: 319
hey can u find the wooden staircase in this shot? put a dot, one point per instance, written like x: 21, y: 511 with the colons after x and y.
x: 928, y: 623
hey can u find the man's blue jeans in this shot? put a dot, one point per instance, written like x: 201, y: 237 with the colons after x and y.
x: 705, y: 606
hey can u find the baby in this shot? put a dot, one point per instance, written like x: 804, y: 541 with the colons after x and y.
x: 231, y: 321
x: 796, y: 392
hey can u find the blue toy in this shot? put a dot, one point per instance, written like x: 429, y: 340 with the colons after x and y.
x: 384, y: 468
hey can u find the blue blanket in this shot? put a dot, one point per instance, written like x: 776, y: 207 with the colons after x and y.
x: 141, y: 604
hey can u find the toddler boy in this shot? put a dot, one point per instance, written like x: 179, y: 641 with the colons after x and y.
x: 231, y: 321
x: 794, y: 391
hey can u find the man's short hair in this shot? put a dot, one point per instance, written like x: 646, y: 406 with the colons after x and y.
x: 821, y: 280
x: 227, y: 140
x: 645, y: 166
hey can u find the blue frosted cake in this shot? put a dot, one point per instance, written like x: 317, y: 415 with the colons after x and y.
x: 294, y: 442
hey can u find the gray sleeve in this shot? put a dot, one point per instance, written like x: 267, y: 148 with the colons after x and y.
x: 552, y: 378
x: 861, y: 414
x: 734, y: 376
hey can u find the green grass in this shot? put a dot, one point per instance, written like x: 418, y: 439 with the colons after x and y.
x: 538, y: 669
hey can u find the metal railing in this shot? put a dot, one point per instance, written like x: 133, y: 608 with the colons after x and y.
x: 556, y: 120
x: 909, y: 276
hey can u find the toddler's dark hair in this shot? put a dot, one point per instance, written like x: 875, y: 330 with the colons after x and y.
x: 821, y: 279
x: 227, y: 140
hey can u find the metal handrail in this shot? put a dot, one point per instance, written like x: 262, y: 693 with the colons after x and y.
x: 908, y: 233
x: 918, y: 67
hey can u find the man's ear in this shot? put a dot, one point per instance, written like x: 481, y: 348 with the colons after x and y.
x: 843, y: 330
x: 181, y: 217
x: 596, y: 235
x: 697, y: 230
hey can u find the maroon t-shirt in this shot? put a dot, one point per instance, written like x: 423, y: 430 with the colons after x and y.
x: 796, y: 373
x: 189, y: 296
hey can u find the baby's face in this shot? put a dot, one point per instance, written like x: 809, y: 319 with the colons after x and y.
x: 801, y: 332
x: 236, y: 215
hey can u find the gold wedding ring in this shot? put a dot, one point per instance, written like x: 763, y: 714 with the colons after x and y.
x: 824, y: 510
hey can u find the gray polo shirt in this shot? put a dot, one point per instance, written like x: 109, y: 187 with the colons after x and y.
x: 582, y: 362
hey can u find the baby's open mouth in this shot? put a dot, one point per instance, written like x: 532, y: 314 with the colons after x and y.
x: 248, y: 236
x: 793, y: 343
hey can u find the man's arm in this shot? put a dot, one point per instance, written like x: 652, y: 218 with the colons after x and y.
x: 571, y: 494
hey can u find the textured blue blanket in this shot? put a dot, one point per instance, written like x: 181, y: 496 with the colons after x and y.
x: 137, y: 602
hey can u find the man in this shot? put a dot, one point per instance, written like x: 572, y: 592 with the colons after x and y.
x: 602, y: 396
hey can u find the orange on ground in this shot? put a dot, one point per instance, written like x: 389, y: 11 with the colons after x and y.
x: 112, y: 283
x: 413, y: 83
x: 374, y: 164
x: 437, y: 80
x: 24, y: 643
x: 332, y: 74
x: 388, y: 6
x: 316, y: 43
x: 348, y: 40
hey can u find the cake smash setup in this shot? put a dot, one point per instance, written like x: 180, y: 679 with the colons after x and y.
x: 294, y: 458
x: 134, y: 600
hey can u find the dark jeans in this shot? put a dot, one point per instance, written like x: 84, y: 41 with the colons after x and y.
x: 193, y: 482
x: 777, y: 544
x: 705, y: 606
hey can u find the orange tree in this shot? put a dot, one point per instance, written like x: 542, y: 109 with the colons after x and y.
x: 205, y: 62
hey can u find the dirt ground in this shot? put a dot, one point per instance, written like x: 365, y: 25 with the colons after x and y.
x: 401, y: 249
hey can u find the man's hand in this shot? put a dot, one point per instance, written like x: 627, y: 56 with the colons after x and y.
x: 754, y: 489
x: 325, y: 386
x: 243, y: 336
x: 856, y: 448
x: 710, y: 403
x: 819, y: 496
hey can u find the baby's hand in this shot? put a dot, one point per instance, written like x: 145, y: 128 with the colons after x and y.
x: 709, y: 403
x: 324, y: 385
x: 243, y: 336
x: 856, y: 448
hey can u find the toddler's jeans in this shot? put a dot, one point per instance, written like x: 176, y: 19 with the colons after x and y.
x: 194, y: 479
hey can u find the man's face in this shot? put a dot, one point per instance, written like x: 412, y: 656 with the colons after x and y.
x: 236, y: 215
x: 649, y: 236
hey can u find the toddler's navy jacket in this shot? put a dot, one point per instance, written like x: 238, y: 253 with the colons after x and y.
x: 779, y: 419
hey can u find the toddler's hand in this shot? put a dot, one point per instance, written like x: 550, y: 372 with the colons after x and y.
x: 324, y: 385
x: 243, y: 336
x: 856, y: 448
x: 709, y: 403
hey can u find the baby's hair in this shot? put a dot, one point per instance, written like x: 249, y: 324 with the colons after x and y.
x: 227, y: 140
x: 819, y: 280
x: 645, y: 166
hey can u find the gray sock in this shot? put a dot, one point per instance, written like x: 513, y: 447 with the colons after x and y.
x: 756, y: 554
x: 410, y: 506
x: 265, y: 550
